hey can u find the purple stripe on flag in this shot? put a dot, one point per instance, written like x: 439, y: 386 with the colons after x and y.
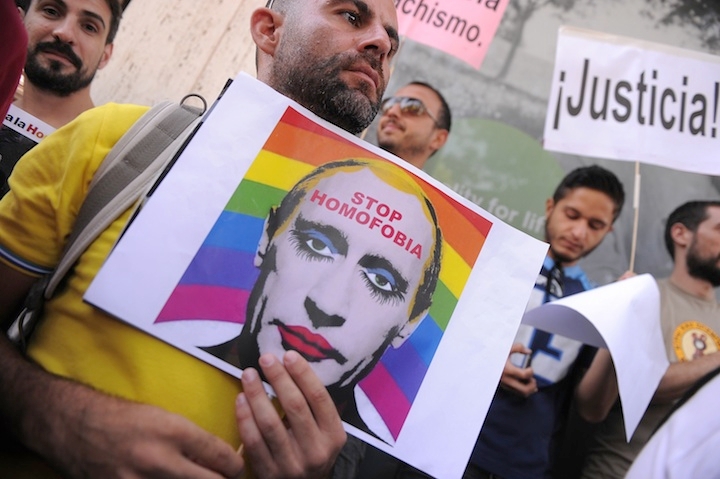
x: 388, y: 399
x: 406, y: 368
x: 215, y: 266
x: 205, y: 302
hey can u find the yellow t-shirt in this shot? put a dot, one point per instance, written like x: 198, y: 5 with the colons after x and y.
x: 74, y: 339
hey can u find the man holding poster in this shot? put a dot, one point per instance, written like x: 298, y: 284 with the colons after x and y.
x: 690, y: 321
x: 540, y: 376
x: 103, y: 399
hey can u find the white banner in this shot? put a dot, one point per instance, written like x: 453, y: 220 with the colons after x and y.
x: 627, y: 99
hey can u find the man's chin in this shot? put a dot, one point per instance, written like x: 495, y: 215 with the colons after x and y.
x: 565, y: 257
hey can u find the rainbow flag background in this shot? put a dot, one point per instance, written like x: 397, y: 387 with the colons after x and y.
x: 218, y: 281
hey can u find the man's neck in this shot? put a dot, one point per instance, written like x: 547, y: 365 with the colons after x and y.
x: 53, y: 109
x: 560, y: 262
x: 697, y: 287
x: 417, y: 160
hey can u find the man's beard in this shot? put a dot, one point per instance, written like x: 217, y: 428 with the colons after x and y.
x: 705, y: 268
x: 563, y: 259
x: 50, y: 78
x: 318, y: 87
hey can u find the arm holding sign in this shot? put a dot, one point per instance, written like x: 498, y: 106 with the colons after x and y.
x: 598, y: 389
x: 311, y: 443
x: 86, y: 433
x: 681, y: 376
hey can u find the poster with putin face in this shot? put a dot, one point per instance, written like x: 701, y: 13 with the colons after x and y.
x: 302, y: 237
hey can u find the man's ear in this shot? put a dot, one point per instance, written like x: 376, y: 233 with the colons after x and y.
x: 265, y: 27
x: 107, y: 53
x: 549, y: 205
x: 407, y: 329
x: 680, y: 235
x: 440, y: 137
x: 264, y: 242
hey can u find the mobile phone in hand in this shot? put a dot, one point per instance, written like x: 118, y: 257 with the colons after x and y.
x: 521, y: 360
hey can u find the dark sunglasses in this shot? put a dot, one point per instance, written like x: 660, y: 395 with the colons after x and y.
x: 408, y: 105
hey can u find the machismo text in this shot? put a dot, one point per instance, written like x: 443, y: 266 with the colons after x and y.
x: 433, y: 14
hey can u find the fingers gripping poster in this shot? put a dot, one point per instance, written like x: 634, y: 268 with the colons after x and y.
x: 275, y: 230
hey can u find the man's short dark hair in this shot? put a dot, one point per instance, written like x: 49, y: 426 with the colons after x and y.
x: 444, y: 119
x: 690, y: 215
x: 596, y: 178
x: 116, y: 10
x: 288, y: 205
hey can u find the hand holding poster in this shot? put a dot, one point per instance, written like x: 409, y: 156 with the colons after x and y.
x: 632, y: 100
x: 275, y: 230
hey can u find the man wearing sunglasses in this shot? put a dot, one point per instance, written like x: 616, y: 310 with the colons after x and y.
x: 415, y: 123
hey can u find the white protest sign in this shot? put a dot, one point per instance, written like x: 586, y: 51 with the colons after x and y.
x: 341, y: 271
x: 626, y: 99
x: 623, y: 317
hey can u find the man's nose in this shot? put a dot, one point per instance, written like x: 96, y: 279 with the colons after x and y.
x: 394, y: 110
x: 580, y: 229
x: 320, y: 318
x: 65, y: 31
x: 376, y: 40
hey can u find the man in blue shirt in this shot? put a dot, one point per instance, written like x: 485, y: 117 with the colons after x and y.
x: 543, y: 370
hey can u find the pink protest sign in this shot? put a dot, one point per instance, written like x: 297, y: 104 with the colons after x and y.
x: 463, y: 29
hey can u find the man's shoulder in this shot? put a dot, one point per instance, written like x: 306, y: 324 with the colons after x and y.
x: 122, y: 113
x: 91, y: 134
x: 575, y: 274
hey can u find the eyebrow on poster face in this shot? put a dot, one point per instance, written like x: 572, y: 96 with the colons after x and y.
x: 384, y: 276
x: 318, y: 239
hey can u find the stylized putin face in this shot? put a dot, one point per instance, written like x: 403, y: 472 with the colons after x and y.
x: 340, y: 275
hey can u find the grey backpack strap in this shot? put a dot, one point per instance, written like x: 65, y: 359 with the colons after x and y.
x: 125, y: 174
x: 135, y: 160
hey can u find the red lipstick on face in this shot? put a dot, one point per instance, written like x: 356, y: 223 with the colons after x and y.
x: 313, y: 347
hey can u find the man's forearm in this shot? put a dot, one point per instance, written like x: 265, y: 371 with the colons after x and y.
x: 31, y: 400
x: 681, y: 376
x: 598, y: 390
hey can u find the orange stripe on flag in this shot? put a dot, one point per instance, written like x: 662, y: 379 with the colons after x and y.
x: 461, y: 227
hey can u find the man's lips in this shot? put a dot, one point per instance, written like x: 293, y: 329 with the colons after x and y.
x: 60, y: 51
x: 367, y: 71
x: 311, y: 346
x: 59, y: 57
x: 572, y: 246
x: 391, y: 125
